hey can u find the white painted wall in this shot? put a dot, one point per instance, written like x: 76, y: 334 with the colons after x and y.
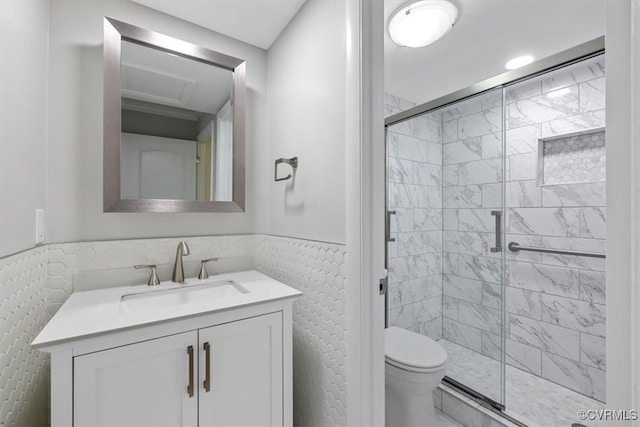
x: 365, y: 213
x: 623, y: 197
x: 307, y: 75
x: 75, y: 127
x: 24, y: 32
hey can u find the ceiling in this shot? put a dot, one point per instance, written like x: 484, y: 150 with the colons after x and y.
x: 486, y: 35
x: 161, y: 78
x: 257, y: 22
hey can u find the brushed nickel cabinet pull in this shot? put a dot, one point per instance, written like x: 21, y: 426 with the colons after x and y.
x: 207, y: 367
x: 190, y: 386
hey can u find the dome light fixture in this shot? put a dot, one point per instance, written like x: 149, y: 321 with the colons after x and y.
x: 518, y: 62
x: 422, y: 22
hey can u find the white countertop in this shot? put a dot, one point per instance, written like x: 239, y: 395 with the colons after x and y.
x: 97, y: 312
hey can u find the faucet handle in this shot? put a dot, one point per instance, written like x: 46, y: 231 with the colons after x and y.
x: 203, y: 269
x: 153, y: 279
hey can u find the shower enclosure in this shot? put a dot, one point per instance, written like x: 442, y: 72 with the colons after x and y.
x: 496, y: 229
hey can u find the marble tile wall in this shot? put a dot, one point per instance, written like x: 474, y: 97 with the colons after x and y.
x: 555, y: 320
x: 555, y: 304
x: 472, y: 188
x: 445, y: 176
x: 415, y: 193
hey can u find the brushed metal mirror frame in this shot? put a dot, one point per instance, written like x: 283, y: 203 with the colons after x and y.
x: 114, y: 33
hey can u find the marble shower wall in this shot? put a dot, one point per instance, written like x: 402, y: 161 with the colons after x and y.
x: 446, y: 175
x: 556, y: 304
x: 472, y: 188
x: 415, y: 193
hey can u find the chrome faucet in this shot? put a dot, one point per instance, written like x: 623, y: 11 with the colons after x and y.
x: 178, y: 270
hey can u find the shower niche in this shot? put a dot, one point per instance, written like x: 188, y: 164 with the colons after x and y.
x: 576, y: 158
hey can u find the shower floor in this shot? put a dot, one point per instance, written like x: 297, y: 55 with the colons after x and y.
x: 529, y: 399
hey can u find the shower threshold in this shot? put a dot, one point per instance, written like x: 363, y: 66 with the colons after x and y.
x: 530, y: 400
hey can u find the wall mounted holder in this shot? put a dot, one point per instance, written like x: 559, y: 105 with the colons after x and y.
x: 293, y: 162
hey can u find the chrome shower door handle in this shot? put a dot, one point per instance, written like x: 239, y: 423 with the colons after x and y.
x: 498, y: 246
x: 388, y: 226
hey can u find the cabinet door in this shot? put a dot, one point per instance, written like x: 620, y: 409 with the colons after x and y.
x: 143, y: 384
x: 245, y: 372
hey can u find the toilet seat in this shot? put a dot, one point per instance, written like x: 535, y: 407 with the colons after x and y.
x: 413, y: 352
x: 415, y: 369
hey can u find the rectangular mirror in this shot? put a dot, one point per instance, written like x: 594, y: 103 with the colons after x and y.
x: 173, y: 124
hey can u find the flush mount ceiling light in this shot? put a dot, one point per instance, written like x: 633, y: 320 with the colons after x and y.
x: 421, y: 23
x: 518, y: 62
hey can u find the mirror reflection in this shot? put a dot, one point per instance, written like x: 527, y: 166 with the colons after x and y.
x: 176, y: 127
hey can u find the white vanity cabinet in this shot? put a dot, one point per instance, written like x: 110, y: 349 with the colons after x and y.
x: 225, y: 362
x: 224, y: 375
x: 141, y: 384
x: 245, y: 373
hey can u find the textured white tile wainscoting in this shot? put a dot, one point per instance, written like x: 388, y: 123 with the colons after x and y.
x: 86, y: 265
x: 36, y: 283
x: 319, y: 270
x: 24, y: 391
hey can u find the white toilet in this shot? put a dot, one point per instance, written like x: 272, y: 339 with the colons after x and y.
x: 414, y: 366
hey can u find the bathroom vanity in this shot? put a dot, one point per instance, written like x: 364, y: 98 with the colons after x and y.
x: 214, y: 352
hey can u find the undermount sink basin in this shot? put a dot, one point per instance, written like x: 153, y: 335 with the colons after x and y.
x: 186, y: 294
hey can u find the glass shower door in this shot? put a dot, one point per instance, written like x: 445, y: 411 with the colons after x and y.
x: 472, y: 259
x: 445, y: 198
x: 414, y: 257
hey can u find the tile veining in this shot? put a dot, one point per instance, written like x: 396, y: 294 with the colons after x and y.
x: 555, y: 321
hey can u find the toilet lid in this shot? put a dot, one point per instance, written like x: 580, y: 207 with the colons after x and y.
x: 411, y: 349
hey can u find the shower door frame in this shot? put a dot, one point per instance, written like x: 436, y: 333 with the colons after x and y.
x: 562, y: 59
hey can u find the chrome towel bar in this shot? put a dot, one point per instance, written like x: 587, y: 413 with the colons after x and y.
x: 515, y: 247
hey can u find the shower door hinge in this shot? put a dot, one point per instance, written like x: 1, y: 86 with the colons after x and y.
x: 383, y: 286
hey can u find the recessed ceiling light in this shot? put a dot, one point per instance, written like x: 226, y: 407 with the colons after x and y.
x: 421, y: 23
x: 518, y: 62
